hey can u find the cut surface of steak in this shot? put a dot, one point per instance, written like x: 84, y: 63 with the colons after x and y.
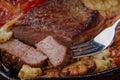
x: 67, y: 18
x: 17, y: 53
x: 56, y: 52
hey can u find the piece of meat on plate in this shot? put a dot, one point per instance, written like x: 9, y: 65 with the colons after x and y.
x: 69, y: 19
x: 56, y: 52
x: 16, y: 53
x: 32, y: 35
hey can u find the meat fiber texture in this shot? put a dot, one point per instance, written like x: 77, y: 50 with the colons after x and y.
x: 56, y: 52
x: 15, y: 53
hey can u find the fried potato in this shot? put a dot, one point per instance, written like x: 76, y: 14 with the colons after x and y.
x: 103, y: 61
x: 102, y: 65
x: 107, y: 8
x: 28, y: 72
x: 75, y: 69
x: 51, y: 74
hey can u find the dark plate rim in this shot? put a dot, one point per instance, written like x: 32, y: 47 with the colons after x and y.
x: 84, y: 76
x: 112, y: 70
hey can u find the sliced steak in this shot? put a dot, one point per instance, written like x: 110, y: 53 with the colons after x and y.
x: 69, y: 19
x: 17, y: 53
x: 56, y: 52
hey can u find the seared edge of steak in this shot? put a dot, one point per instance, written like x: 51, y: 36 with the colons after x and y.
x: 32, y: 35
x: 91, y: 32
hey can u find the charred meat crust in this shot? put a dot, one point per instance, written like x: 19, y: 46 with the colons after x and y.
x: 67, y: 18
x: 10, y: 60
x: 32, y: 35
x: 90, y: 33
x: 92, y: 18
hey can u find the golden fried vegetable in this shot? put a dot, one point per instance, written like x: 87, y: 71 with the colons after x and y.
x: 51, y: 74
x: 5, y: 34
x: 89, y: 62
x: 107, y: 8
x: 103, y: 61
x: 75, y: 69
x: 101, y: 4
x: 28, y: 72
x: 103, y: 54
x: 102, y: 65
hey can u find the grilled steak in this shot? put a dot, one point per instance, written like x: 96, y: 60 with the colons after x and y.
x: 56, y: 52
x: 65, y: 21
x: 17, y: 53
x: 68, y: 19
x: 32, y: 35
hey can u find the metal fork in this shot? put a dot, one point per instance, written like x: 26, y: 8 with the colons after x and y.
x: 100, y: 42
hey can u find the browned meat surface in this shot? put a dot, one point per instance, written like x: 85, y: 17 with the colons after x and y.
x: 32, y: 35
x: 69, y: 19
x: 56, y: 52
x: 17, y: 53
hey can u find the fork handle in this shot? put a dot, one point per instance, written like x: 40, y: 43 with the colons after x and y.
x: 104, y: 34
x: 116, y: 24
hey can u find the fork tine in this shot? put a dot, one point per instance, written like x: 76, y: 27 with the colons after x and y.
x: 89, y: 45
x: 83, y: 48
x: 85, y: 51
x: 83, y: 55
x: 81, y: 45
x: 88, y: 52
x: 100, y: 42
